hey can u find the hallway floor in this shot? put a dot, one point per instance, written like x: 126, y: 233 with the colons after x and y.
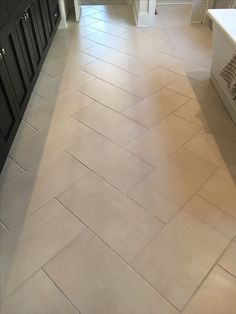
x: 118, y: 196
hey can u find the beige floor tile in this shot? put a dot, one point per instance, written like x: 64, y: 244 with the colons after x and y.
x: 45, y: 145
x: 32, y: 190
x: 175, y: 264
x: 176, y: 180
x: 108, y: 72
x: 209, y: 115
x: 163, y: 139
x: 28, y: 246
x: 219, y: 149
x: 216, y: 295
x: 35, y: 101
x: 110, y: 124
x: 24, y: 131
x: 228, y: 260
x: 111, y: 162
x: 188, y: 69
x: 112, y: 286
x: 108, y: 55
x: 150, y: 83
x: 212, y: 216
x: 68, y: 81
x: 61, y: 65
x: 58, y: 109
x: 10, y: 171
x: 220, y: 190
x: 86, y: 20
x: 122, y: 224
x: 194, y: 89
x: 107, y: 27
x: 108, y: 40
x: 2, y: 227
x: 153, y: 109
x: 109, y: 95
x: 39, y: 287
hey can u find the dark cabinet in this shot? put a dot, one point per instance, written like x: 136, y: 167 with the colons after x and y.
x: 26, y: 32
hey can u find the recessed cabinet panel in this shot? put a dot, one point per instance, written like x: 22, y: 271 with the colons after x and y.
x: 3, y: 13
x: 41, y: 24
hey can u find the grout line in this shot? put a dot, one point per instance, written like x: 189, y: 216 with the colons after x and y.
x: 226, y: 270
x: 61, y: 291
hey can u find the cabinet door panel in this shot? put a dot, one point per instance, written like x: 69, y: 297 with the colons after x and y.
x: 3, y: 13
x: 9, y: 120
x: 15, y: 66
x: 41, y: 23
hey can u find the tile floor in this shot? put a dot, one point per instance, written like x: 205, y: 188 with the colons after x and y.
x: 118, y: 195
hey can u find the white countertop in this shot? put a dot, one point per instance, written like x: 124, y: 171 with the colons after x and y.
x: 226, y: 20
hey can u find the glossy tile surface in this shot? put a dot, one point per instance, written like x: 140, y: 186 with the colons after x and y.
x: 118, y: 195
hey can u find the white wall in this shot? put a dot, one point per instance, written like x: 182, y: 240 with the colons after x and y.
x: 173, y: 1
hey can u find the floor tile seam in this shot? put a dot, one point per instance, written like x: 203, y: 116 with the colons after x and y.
x: 60, y: 290
x: 88, y: 229
x: 226, y: 270
x: 208, y: 274
x: 116, y: 188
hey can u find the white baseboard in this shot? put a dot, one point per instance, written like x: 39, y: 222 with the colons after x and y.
x: 141, y: 18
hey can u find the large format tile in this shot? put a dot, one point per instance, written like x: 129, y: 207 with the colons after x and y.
x: 153, y: 109
x: 121, y: 223
x: 109, y: 95
x: 28, y: 246
x: 10, y: 171
x: 228, y: 260
x: 32, y: 190
x: 45, y: 145
x: 220, y: 190
x: 176, y: 180
x: 110, y: 124
x: 215, y: 296
x: 120, y: 168
x: 35, y: 101
x: 149, y: 84
x: 98, y: 281
x: 178, y: 258
x: 159, y: 142
x: 24, y: 131
x: 108, y: 40
x: 108, y: 72
x: 108, y: 55
x: 212, y: 216
x: 108, y: 28
x: 39, y: 287
x: 56, y: 110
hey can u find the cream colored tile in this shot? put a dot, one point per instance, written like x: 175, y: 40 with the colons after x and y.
x: 122, y: 224
x: 35, y: 101
x: 24, y: 131
x: 45, y: 145
x: 10, y: 171
x: 111, y: 162
x: 165, y: 190
x: 220, y: 190
x: 228, y: 260
x: 107, y: 27
x: 219, y: 149
x: 150, y: 83
x: 86, y: 20
x: 216, y: 295
x: 67, y: 63
x: 108, y: 40
x: 32, y: 190
x: 28, y: 246
x: 209, y: 115
x: 110, y: 124
x: 188, y: 69
x: 153, y: 109
x: 108, y: 72
x: 108, y: 55
x: 39, y: 287
x: 212, y: 216
x: 88, y: 268
x: 194, y: 89
x: 68, y: 81
x: 109, y: 95
x: 56, y: 110
x: 162, y: 140
x: 175, y: 264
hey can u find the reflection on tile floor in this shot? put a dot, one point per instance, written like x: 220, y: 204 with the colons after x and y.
x: 118, y: 195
